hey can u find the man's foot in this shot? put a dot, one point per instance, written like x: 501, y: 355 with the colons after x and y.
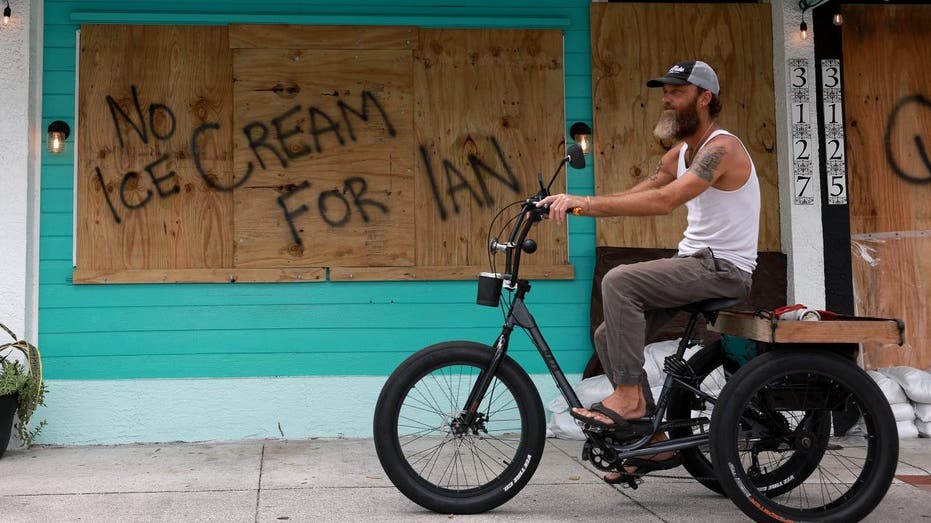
x: 616, y: 424
x: 626, y: 402
x: 636, y: 467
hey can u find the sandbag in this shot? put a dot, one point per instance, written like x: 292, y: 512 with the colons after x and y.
x: 907, y: 429
x: 903, y: 411
x: 590, y: 390
x: 563, y: 426
x: 891, y: 390
x: 916, y: 383
x: 923, y: 412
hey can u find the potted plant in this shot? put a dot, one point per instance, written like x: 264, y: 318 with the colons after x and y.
x: 21, y: 389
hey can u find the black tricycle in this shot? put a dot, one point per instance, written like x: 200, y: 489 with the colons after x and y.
x: 796, y: 433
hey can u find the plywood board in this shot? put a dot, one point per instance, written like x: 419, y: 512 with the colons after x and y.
x: 736, y: 40
x: 489, y: 115
x: 142, y: 201
x: 267, y: 151
x: 324, y: 157
x: 887, y: 103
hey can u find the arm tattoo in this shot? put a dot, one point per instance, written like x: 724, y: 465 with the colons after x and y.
x: 707, y: 161
x: 655, y: 176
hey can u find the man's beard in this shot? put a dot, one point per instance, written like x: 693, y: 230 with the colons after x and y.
x: 674, y: 125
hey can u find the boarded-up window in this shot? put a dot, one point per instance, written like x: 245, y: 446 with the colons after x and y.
x: 270, y: 153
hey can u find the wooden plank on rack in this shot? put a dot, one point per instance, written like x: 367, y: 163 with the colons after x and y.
x: 847, y: 329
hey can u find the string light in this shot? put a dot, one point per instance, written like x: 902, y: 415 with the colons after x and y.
x: 838, y: 19
x: 805, y: 5
x: 7, y: 13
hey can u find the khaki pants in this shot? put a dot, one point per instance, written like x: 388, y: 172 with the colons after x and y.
x: 637, y: 302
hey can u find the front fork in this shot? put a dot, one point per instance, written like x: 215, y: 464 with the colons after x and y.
x: 518, y: 316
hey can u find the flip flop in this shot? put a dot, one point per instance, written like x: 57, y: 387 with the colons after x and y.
x: 621, y: 426
x: 644, y: 467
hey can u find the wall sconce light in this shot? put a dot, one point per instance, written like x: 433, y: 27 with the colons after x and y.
x: 58, y: 132
x: 581, y: 134
x: 7, y: 13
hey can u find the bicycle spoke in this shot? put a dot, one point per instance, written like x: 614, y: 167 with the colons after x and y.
x: 446, y: 458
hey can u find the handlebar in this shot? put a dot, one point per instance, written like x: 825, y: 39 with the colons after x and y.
x: 530, y: 214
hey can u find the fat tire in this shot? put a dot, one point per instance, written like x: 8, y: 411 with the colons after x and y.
x: 434, y: 497
x: 881, y: 456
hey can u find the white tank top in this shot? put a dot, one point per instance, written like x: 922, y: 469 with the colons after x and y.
x: 728, y: 222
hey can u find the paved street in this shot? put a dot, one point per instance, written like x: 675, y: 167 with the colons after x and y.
x: 341, y: 480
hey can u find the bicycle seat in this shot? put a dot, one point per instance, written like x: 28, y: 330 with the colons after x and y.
x: 712, y: 305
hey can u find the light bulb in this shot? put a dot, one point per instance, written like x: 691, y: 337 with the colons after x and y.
x: 56, y: 143
x: 838, y: 19
x: 58, y: 132
x: 584, y: 143
x: 803, y: 27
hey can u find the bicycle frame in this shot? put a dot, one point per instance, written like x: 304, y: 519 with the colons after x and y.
x: 518, y: 315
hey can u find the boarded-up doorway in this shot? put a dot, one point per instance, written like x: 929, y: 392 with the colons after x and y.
x: 634, y: 42
x: 887, y: 93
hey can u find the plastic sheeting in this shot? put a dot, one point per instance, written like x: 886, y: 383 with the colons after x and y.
x: 892, y: 279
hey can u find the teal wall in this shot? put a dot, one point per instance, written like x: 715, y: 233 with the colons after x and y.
x: 288, y: 329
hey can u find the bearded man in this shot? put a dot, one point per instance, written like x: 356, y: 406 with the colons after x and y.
x: 710, y: 172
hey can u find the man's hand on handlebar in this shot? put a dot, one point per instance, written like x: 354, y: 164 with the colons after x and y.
x: 562, y: 204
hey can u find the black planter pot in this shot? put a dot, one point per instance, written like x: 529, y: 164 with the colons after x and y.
x: 8, y: 405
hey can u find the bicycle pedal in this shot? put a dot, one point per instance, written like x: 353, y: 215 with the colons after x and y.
x: 632, y: 483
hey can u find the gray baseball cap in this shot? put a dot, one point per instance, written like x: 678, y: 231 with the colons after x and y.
x: 693, y: 72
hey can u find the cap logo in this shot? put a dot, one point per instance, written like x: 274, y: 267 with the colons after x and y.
x: 676, y: 69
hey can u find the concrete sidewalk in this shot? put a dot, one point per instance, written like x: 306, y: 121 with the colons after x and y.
x: 341, y: 480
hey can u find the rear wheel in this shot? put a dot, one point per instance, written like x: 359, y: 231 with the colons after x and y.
x: 708, y: 365
x: 772, y: 444
x: 437, y: 460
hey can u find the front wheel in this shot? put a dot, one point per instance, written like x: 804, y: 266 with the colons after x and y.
x: 434, y: 458
x: 778, y: 408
